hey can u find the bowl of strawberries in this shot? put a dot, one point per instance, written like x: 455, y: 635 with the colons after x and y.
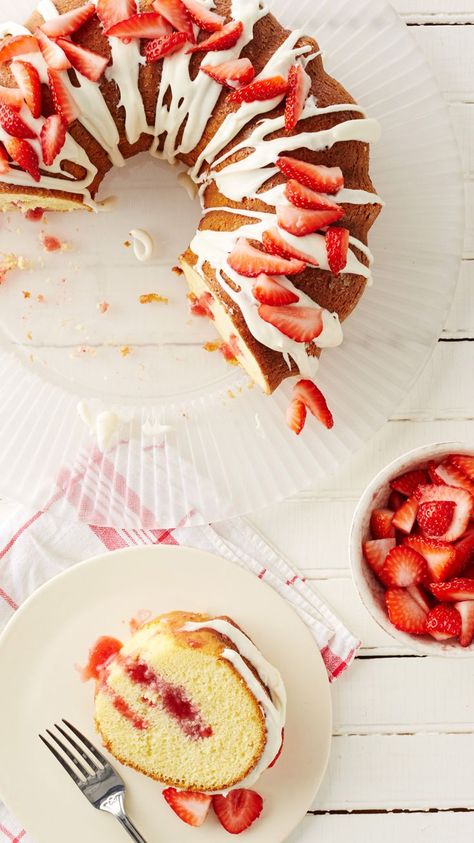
x: 412, y: 549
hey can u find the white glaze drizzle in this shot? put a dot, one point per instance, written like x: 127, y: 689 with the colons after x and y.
x: 142, y: 244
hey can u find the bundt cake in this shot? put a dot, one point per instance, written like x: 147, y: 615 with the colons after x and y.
x: 189, y: 701
x: 280, y: 257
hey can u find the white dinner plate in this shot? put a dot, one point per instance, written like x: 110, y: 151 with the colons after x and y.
x: 51, y: 634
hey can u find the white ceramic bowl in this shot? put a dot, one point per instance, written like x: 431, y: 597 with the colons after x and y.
x: 370, y: 590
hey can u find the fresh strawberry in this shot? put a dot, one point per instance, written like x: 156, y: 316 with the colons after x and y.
x: 443, y: 622
x: 4, y: 162
x: 299, y: 84
x: 89, y: 64
x: 202, y: 17
x: 104, y: 649
x: 435, y: 517
x: 420, y: 596
x: 249, y: 261
x: 160, y: 47
x: 224, y: 39
x: 403, y: 567
x: 307, y: 392
x: 404, y: 517
x: 465, y: 549
x: 440, y: 556
x: 395, y: 500
x: 279, y: 751
x: 13, y: 124
x: 260, y: 89
x: 381, y: 525
x: 34, y: 214
x: 238, y: 810
x: 301, y: 324
x: 337, y: 248
x: 464, y: 506
x: 317, y: 177
x: 190, y: 806
x: 69, y: 22
x: 434, y: 476
x: 376, y: 552
x: 142, y: 25
x: 231, y: 73
x: 64, y: 103
x: 275, y: 244
x: 460, y: 588
x: 404, y: 612
x: 303, y: 197
x: 268, y: 290
x: 466, y: 611
x: 11, y: 96
x: 29, y: 83
x: 464, y: 463
x: 407, y: 483
x: 453, y: 476
x: 296, y: 416
x: 300, y: 222
x: 55, y: 58
x: 177, y: 14
x: 111, y: 12
x: 24, y: 155
x: 53, y: 137
x: 17, y: 45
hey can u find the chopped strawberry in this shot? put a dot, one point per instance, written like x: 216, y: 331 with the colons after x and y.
x: 201, y: 306
x: 407, y: 483
x: 190, y: 806
x: 440, y: 556
x: 435, y: 517
x: 434, y: 476
x: 142, y: 25
x: 11, y: 96
x: 296, y: 416
x: 24, y: 155
x: 376, y: 552
x: 303, y: 197
x: 69, y: 22
x: 403, y: 567
x: 4, y: 162
x: 103, y: 651
x: 231, y: 73
x: 29, y: 83
x: 420, y: 596
x: 230, y: 349
x: 260, y: 89
x: 300, y: 222
x: 466, y: 611
x: 299, y: 85
x: 13, y: 124
x: 49, y: 242
x: 34, y: 214
x: 464, y: 506
x: 460, y: 588
x: 301, y: 324
x: 395, y: 500
x: 464, y: 463
x: 90, y: 64
x: 381, y: 525
x: 279, y: 751
x: 465, y: 549
x: 64, y: 103
x: 177, y: 14
x: 443, y: 622
x: 110, y: 12
x: 224, y: 39
x: 53, y: 137
x: 202, y: 17
x: 307, y: 392
x: 315, y: 176
x: 337, y: 248
x: 160, y: 47
x: 54, y: 56
x: 17, y: 45
x: 404, y: 517
x: 453, y: 476
x: 268, y: 290
x: 275, y: 244
x: 238, y: 810
x: 404, y: 612
x: 249, y: 261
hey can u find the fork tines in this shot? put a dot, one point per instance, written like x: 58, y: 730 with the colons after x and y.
x: 78, y: 753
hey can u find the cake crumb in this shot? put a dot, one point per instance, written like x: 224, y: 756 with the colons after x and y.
x: 212, y: 346
x: 147, y: 298
x: 87, y: 350
x: 26, y: 294
x: 103, y: 306
x: 127, y: 244
x: 40, y: 298
x: 29, y: 335
x: 9, y: 262
x: 51, y: 243
x: 177, y: 270
x: 230, y: 393
x: 125, y: 350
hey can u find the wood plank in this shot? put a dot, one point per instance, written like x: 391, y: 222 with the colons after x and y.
x: 448, y: 827
x: 462, y: 116
x: 436, y: 393
x: 449, y: 8
x: 469, y: 235
x: 449, y: 51
x: 460, y: 322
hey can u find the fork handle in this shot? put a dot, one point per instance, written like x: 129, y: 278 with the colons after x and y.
x: 128, y: 826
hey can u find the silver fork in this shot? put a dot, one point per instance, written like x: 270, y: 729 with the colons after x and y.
x: 93, y: 774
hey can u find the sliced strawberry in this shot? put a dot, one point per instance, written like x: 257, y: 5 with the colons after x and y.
x: 434, y: 476
x: 230, y: 349
x: 11, y: 96
x: 53, y: 137
x: 4, y: 162
x: 24, y: 155
x: 231, y: 73
x: 420, y: 596
x: 55, y: 58
x: 404, y: 517
x: 90, y: 64
x: 465, y: 549
x: 103, y: 651
x: 29, y: 83
x: 112, y: 11
x: 142, y: 25
x: 268, y: 290
x: 464, y: 463
x: 13, y: 124
x: 466, y: 611
x: 464, y: 506
x: 238, y: 810
x: 395, y: 500
x: 303, y: 197
x: 224, y: 39
x: 435, y: 517
x: 460, y: 588
x: 160, y: 47
x: 376, y: 552
x: 202, y: 17
x: 17, y: 45
x: 275, y: 244
x: 249, y: 261
x: 301, y: 324
x: 307, y: 392
x: 69, y: 22
x: 381, y: 525
x: 177, y: 14
x: 443, y: 622
x: 440, y: 556
x: 315, y: 176
x: 407, y: 483
x: 64, y: 103
x: 453, y: 476
x: 404, y: 612
x: 201, y: 306
x: 300, y: 222
x: 337, y: 248
x: 404, y: 567
x: 260, y: 89
x: 296, y: 416
x: 191, y: 807
x: 299, y: 84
